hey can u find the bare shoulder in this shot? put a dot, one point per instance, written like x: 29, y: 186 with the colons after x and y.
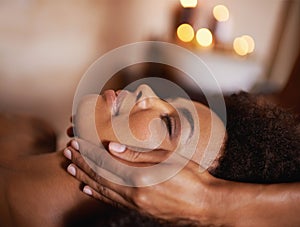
x: 22, y: 135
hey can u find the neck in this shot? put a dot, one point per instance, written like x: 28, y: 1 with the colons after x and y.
x: 40, y: 191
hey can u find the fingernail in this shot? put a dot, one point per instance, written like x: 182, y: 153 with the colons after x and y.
x: 75, y: 145
x: 117, y: 147
x: 68, y: 154
x: 71, y: 170
x: 87, y: 190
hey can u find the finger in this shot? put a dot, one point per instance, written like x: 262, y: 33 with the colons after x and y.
x: 96, y: 190
x: 74, y: 144
x: 127, y: 154
x: 73, y: 155
x: 114, y: 192
x: 93, y: 193
x: 87, y: 148
x: 103, y: 164
x: 93, y: 172
x: 99, y: 160
x: 69, y: 143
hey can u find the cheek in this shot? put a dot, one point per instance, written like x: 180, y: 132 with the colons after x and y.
x: 104, y: 126
x: 124, y: 130
x: 143, y: 126
x: 139, y: 126
x: 147, y: 127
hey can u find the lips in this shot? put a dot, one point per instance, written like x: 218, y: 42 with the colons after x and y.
x: 110, y: 97
x: 114, y: 100
x: 119, y: 100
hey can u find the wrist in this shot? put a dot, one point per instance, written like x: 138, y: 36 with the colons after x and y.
x: 221, y: 211
x: 210, y: 202
x: 223, y: 203
x: 235, y: 203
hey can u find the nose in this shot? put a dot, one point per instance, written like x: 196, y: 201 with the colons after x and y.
x: 144, y: 96
x: 144, y: 91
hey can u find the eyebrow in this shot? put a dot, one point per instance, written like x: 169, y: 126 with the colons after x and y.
x: 187, y: 114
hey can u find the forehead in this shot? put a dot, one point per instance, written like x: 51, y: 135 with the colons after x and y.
x: 194, y: 109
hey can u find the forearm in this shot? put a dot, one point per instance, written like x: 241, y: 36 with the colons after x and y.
x: 225, y: 203
x: 261, y: 205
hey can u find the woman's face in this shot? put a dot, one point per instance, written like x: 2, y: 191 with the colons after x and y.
x: 143, y: 121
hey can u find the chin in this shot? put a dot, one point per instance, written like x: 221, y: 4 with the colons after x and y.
x: 85, y: 119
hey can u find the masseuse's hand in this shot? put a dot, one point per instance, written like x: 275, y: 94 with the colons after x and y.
x: 168, y: 200
x: 188, y: 195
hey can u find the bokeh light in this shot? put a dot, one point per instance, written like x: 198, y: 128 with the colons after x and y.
x: 185, y: 33
x: 188, y: 3
x: 251, y: 43
x: 204, y: 37
x: 240, y: 46
x: 221, y: 13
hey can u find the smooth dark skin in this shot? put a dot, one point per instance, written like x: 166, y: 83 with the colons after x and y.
x: 35, y: 190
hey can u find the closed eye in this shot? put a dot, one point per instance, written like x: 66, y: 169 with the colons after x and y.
x: 169, y: 123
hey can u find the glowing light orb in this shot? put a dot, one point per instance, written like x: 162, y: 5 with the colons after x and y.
x: 185, y: 33
x: 188, y: 3
x: 221, y: 13
x: 251, y: 43
x: 204, y: 37
x: 240, y: 46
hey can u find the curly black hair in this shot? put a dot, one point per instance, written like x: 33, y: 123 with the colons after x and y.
x: 263, y: 144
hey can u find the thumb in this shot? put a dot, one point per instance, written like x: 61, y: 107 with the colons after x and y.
x: 134, y: 155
